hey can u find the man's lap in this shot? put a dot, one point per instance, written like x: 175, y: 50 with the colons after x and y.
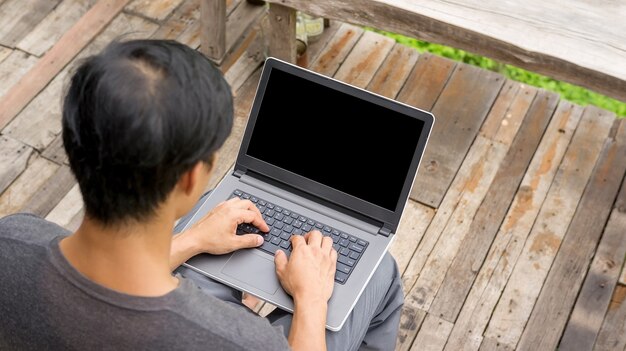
x: 377, y: 311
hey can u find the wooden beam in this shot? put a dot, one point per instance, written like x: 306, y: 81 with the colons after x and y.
x: 582, y: 44
x: 213, y: 28
x: 283, y: 32
x: 70, y: 44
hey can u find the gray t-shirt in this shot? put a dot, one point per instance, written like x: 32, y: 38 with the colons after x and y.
x: 46, y: 304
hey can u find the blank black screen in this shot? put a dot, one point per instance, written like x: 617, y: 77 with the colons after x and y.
x: 333, y: 138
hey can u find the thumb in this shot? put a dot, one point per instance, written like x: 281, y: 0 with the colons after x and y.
x: 280, y: 260
x: 249, y: 240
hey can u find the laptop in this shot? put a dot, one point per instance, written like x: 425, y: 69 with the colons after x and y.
x: 318, y: 154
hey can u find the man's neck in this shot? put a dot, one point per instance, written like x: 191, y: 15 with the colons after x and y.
x: 132, y: 259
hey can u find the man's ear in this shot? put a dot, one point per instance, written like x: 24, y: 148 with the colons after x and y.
x: 190, y: 179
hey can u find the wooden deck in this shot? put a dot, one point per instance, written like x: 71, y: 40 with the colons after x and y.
x: 515, y: 234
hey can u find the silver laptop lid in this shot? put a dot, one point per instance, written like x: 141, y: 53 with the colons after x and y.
x: 344, y: 145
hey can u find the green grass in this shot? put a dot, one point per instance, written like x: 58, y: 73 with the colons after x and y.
x: 567, y: 91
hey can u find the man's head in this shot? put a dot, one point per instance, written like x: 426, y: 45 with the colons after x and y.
x: 136, y: 117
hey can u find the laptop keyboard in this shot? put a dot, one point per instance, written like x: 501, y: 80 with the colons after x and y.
x: 284, y: 223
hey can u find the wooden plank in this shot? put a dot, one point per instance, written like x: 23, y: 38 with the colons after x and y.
x: 394, y: 72
x: 70, y: 44
x: 283, y: 32
x: 611, y: 336
x: 454, y: 222
x: 242, y: 18
x: 266, y: 309
x: 365, y: 59
x: 433, y: 334
x: 40, y: 122
x: 19, y: 17
x: 245, y: 65
x: 490, y: 344
x: 14, y: 158
x: 213, y: 28
x: 506, y: 128
x: 48, y: 195
x: 559, y: 292
x: 414, y: 222
x: 583, y: 44
x: 593, y: 300
x: 470, y: 184
x: 495, y: 271
x: 26, y: 185
x: 460, y: 111
x: 228, y: 152
x: 179, y: 21
x: 71, y: 205
x: 484, y: 227
x: 16, y: 64
x: 55, y: 152
x: 76, y: 221
x: 315, y: 47
x: 532, y: 265
x: 410, y: 322
x: 426, y: 82
x: 251, y: 42
x: 329, y: 60
x: 155, y: 10
x: 48, y: 31
x: 4, y: 53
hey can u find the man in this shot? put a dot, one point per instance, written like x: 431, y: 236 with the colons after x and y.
x: 142, y: 122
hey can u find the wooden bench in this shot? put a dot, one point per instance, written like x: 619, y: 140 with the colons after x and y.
x: 581, y: 42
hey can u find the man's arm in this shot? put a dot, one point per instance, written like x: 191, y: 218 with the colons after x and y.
x: 309, y: 277
x: 216, y: 234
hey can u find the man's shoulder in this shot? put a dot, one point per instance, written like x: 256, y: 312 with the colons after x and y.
x: 28, y: 228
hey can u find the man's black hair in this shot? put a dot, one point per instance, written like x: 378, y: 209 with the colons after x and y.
x: 135, y: 118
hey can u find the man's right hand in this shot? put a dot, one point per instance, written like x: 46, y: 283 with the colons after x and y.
x: 309, y: 274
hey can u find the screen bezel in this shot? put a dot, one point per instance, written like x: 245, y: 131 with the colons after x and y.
x: 389, y: 218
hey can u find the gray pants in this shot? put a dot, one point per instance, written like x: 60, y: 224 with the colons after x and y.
x: 372, y: 325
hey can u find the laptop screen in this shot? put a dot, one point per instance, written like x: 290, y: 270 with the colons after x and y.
x: 349, y: 144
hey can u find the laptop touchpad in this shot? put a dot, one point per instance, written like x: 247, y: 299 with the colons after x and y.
x: 252, y: 269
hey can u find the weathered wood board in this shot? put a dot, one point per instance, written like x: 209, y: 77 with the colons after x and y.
x: 19, y: 17
x: 50, y: 30
x: 459, y: 111
x: 495, y: 271
x: 558, y: 294
x: 516, y: 302
x: 595, y: 296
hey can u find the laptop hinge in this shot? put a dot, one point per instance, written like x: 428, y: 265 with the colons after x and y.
x: 239, y: 172
x: 384, y: 231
